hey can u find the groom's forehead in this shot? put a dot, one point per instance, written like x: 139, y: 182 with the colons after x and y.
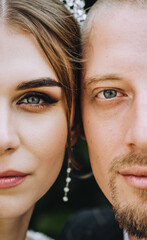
x: 106, y: 9
x: 105, y: 30
x: 114, y: 47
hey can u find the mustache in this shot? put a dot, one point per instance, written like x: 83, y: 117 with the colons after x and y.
x: 127, y: 160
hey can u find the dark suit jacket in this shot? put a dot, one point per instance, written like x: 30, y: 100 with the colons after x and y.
x: 93, y: 224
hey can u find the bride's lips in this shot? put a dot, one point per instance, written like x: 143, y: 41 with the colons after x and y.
x: 11, y: 178
x: 135, y: 176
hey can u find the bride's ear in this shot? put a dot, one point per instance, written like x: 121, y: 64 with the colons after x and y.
x: 82, y: 134
x: 77, y: 131
x: 74, y: 134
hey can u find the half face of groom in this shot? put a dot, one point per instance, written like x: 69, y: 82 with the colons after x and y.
x: 114, y: 107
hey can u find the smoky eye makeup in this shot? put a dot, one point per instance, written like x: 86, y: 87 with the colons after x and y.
x: 38, y: 94
x: 36, y: 99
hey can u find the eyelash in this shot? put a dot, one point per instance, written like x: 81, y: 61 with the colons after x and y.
x: 42, y: 97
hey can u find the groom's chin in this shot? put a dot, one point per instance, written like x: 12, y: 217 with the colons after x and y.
x: 132, y: 219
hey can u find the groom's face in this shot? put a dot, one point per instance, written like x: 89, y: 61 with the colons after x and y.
x: 114, y: 107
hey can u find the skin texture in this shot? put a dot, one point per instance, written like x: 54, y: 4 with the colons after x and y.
x: 115, y: 128
x: 29, y: 131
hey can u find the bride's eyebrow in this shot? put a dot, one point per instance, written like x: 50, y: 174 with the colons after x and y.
x: 41, y: 82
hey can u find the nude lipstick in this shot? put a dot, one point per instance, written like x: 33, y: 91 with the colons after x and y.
x: 136, y: 177
x: 11, y: 178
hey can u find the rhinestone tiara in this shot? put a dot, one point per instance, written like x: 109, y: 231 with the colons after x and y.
x: 76, y: 7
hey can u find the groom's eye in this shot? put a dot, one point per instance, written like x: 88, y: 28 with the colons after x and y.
x: 108, y: 94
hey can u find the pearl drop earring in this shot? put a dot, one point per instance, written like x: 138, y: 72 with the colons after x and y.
x: 68, y: 180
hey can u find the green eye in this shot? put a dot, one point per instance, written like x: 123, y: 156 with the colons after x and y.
x: 37, y: 98
x: 109, y: 93
x: 33, y: 100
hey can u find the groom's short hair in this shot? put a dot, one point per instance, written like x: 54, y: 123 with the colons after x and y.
x: 103, y: 7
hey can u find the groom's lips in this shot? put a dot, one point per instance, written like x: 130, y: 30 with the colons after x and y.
x: 136, y: 176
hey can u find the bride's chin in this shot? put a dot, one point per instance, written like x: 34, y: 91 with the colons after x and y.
x: 13, y: 211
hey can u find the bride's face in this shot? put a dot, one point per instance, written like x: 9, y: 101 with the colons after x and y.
x: 33, y: 126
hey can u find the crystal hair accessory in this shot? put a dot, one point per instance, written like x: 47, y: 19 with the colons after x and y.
x: 76, y: 7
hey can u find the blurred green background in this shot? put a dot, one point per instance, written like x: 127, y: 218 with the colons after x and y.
x: 51, y: 212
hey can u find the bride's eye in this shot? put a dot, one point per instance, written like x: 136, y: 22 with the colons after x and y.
x: 32, y: 100
x: 109, y: 93
x: 36, y: 98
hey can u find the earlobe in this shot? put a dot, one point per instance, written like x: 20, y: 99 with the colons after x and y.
x: 76, y: 132
x: 82, y: 134
x: 74, y: 135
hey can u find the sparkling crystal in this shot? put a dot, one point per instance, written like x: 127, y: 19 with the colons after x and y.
x: 80, y: 12
x: 70, y: 3
x: 76, y: 7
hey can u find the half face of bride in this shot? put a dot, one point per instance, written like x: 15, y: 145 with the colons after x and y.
x: 39, y: 74
x: 33, y: 123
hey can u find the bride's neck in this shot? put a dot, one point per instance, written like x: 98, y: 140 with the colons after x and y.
x: 15, y: 228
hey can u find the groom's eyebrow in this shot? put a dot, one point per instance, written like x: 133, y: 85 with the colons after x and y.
x: 101, y: 78
x: 36, y: 83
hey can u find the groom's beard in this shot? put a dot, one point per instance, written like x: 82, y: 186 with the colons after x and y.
x: 131, y: 216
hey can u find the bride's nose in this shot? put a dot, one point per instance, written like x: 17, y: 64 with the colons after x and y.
x: 9, y: 140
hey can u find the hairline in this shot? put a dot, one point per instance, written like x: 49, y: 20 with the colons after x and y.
x: 100, y: 8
